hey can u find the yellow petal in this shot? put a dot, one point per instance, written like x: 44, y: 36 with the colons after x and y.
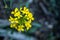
x: 24, y: 8
x: 12, y: 12
x: 21, y: 16
x: 16, y: 9
x: 32, y: 18
x: 18, y: 17
x: 27, y: 28
x: 18, y: 30
x: 27, y: 10
x: 9, y: 19
x: 27, y: 18
x: 12, y: 21
x: 15, y: 18
x: 22, y: 30
x: 16, y: 21
x: 20, y: 9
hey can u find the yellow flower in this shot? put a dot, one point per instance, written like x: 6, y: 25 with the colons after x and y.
x: 20, y: 28
x: 25, y: 10
x: 17, y: 14
x: 13, y: 25
x: 28, y: 25
x: 30, y: 15
x: 13, y: 20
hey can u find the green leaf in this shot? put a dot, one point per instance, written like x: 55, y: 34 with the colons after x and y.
x: 36, y: 24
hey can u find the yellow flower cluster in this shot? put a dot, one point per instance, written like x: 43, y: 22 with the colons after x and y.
x: 22, y: 19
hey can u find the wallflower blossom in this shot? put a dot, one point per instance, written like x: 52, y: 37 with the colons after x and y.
x: 22, y: 19
x: 13, y: 20
x: 20, y: 27
x: 28, y: 25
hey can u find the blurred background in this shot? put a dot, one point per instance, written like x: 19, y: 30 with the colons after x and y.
x: 46, y: 25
